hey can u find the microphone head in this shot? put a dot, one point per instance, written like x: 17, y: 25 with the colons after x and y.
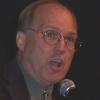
x: 65, y: 86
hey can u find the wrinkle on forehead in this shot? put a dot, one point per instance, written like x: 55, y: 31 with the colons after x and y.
x: 52, y: 12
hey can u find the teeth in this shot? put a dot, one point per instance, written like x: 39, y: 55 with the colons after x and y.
x: 57, y: 61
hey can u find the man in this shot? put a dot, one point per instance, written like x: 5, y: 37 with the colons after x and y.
x: 46, y: 38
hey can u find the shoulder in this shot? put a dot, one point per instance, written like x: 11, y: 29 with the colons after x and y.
x: 3, y: 92
x: 5, y: 76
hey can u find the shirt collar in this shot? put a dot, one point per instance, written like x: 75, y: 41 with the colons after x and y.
x: 35, y: 89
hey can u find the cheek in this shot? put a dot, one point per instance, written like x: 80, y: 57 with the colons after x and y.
x: 38, y: 52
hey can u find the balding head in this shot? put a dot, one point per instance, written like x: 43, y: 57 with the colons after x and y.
x: 27, y: 16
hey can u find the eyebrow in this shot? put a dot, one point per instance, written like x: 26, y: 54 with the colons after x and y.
x: 71, y: 33
x: 57, y: 29
x: 53, y: 27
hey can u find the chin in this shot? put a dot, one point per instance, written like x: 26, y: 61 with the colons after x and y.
x: 55, y: 80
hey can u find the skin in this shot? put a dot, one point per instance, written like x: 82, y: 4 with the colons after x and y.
x: 36, y: 55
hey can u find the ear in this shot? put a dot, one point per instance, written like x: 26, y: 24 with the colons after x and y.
x: 20, y: 40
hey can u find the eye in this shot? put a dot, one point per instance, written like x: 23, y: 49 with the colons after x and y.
x: 52, y: 34
x: 70, y: 39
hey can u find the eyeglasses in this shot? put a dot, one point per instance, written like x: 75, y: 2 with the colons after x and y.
x: 52, y: 37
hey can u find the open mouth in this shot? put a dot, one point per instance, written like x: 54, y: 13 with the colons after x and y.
x: 56, y: 62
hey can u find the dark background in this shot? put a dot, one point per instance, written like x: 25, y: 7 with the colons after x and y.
x: 84, y: 71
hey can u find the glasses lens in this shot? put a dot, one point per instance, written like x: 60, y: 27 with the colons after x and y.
x: 51, y: 37
x: 78, y: 44
x: 73, y: 43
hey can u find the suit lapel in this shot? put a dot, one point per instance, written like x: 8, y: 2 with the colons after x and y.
x: 18, y: 90
x: 17, y: 87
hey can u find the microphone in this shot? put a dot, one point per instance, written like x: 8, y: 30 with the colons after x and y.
x: 65, y: 86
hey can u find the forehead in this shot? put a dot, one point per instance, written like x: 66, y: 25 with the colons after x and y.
x: 55, y: 15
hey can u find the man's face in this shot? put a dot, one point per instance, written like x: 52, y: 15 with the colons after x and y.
x: 40, y: 59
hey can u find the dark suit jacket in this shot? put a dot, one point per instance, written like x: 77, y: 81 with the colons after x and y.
x: 12, y: 83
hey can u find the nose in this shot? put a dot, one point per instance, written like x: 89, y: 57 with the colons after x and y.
x: 60, y: 47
